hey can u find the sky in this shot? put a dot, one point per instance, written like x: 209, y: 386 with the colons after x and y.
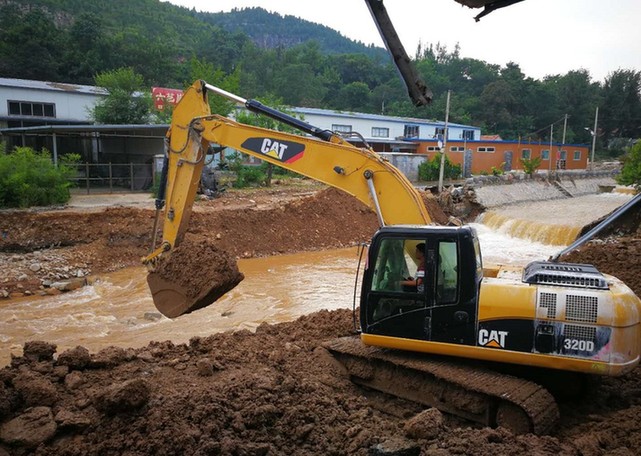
x: 545, y: 37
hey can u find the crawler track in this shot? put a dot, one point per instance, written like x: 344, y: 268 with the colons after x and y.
x: 455, y: 387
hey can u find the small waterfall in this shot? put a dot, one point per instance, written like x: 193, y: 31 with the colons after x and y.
x: 544, y: 233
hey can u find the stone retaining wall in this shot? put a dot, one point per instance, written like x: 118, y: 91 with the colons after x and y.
x: 512, y: 188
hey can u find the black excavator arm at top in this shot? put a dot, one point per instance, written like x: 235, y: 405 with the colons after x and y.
x: 418, y: 91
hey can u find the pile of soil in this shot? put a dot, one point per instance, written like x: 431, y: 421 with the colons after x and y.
x: 272, y: 392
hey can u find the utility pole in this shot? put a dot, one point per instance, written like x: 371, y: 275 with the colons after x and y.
x: 443, y: 151
x: 565, y: 127
x: 550, y: 156
x: 596, y: 120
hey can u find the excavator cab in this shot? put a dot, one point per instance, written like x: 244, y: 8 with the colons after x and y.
x: 443, y: 305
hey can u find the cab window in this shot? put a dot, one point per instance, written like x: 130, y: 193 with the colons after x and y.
x: 393, y: 264
x: 447, y: 273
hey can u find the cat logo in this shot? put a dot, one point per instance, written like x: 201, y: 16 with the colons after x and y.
x: 493, y: 338
x: 281, y: 150
x: 273, y: 148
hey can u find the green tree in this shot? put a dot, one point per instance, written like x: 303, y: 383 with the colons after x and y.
x: 631, y: 171
x: 621, y: 113
x: 30, y: 45
x: 127, y: 101
x: 207, y: 71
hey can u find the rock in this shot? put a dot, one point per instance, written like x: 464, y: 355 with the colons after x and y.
x: 74, y: 380
x: 23, y: 277
x: 76, y: 358
x: 35, y: 267
x: 205, y: 367
x: 5, y: 405
x: 69, y: 285
x: 30, y: 429
x: 124, y: 397
x: 35, y: 389
x: 395, y: 447
x: 111, y: 357
x: 152, y: 316
x: 39, y: 350
x: 426, y: 425
x: 68, y: 419
x: 4, y: 293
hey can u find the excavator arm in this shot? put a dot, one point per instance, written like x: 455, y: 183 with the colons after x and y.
x: 359, y: 172
x: 326, y: 157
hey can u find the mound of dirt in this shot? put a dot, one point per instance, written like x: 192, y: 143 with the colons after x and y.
x: 269, y: 392
x: 192, y: 276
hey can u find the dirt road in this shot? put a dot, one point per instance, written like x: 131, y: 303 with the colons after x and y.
x: 273, y: 392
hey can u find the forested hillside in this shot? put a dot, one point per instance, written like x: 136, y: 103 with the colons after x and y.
x: 298, y: 63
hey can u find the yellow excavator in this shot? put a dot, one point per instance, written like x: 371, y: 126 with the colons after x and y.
x: 455, y: 337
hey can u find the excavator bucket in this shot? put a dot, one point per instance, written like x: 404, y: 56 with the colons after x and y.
x: 187, y: 272
x: 194, y: 275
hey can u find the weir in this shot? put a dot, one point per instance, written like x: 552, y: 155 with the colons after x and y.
x: 542, y: 232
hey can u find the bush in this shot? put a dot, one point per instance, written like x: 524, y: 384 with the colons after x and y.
x: 249, y: 175
x: 29, y: 178
x: 429, y: 170
x: 531, y: 165
x: 631, y: 170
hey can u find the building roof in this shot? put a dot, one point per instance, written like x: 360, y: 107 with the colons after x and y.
x: 153, y: 131
x: 52, y: 86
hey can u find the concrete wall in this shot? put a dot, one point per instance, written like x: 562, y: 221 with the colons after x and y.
x: 406, y: 163
x: 493, y: 191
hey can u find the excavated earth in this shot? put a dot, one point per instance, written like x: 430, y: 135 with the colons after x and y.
x: 272, y: 392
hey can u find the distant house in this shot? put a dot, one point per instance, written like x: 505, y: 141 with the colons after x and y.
x: 477, y: 157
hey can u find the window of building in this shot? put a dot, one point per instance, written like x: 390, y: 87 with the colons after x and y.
x: 433, y: 148
x: 563, y: 155
x: 439, y: 131
x: 342, y: 128
x: 577, y: 155
x: 545, y: 154
x: 378, y: 132
x: 487, y: 149
x: 31, y: 109
x: 457, y: 149
x: 468, y: 134
x: 410, y: 131
x: 526, y: 154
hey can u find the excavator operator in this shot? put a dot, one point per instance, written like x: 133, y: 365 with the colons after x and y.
x: 417, y: 283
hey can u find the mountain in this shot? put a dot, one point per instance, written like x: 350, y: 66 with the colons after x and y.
x: 271, y: 30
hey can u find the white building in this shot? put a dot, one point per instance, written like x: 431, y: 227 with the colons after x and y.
x: 386, y: 133
x: 26, y: 103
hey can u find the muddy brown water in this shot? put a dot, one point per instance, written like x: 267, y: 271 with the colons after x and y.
x: 117, y: 309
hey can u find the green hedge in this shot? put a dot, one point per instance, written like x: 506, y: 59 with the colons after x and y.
x: 429, y: 170
x: 29, y: 178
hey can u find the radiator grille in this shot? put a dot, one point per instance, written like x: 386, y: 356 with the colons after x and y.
x: 579, y: 332
x: 548, y: 301
x: 581, y: 308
